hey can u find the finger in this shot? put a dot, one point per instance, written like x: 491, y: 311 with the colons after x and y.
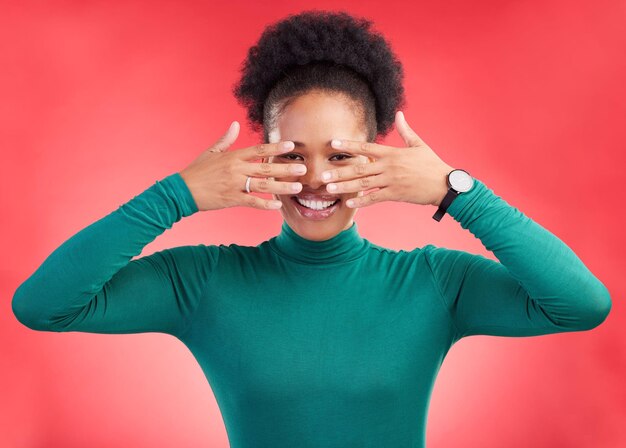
x: 262, y: 185
x: 361, y: 184
x: 369, y: 149
x: 409, y: 136
x: 266, y: 149
x: 352, y: 171
x: 269, y: 169
x: 256, y: 202
x: 227, y: 139
x: 368, y: 199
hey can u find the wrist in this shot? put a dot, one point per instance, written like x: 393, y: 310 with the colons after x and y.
x: 442, y: 186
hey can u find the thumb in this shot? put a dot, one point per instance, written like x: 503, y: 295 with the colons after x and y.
x: 226, y: 139
x: 408, y: 135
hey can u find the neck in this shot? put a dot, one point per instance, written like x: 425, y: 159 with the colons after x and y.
x: 345, y: 246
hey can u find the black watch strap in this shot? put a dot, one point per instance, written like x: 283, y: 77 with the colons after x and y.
x: 445, y: 203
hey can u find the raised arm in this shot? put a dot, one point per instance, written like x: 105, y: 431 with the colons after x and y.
x: 540, y: 286
x: 89, y: 283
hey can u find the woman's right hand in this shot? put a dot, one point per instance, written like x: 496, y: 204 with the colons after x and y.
x: 217, y: 178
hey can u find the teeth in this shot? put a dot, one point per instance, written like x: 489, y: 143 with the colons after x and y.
x: 315, y: 205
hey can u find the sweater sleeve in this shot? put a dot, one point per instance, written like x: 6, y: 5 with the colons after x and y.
x: 539, y: 286
x: 89, y: 284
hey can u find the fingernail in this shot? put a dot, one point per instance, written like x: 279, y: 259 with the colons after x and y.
x: 288, y: 145
x: 336, y: 142
x: 296, y: 187
x: 331, y: 187
x: 299, y: 169
x: 326, y: 175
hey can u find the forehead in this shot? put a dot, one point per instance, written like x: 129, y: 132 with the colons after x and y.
x: 316, y: 118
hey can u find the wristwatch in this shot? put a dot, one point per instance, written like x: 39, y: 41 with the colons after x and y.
x: 459, y: 181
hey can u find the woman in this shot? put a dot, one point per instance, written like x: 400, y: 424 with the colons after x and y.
x: 316, y: 337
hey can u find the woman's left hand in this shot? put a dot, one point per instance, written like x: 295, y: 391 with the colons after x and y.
x: 414, y: 174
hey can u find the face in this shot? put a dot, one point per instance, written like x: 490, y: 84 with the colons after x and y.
x: 311, y: 122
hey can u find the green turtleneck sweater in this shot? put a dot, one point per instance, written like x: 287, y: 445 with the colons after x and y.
x: 333, y: 343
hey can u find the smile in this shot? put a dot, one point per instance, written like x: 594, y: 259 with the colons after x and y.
x: 316, y: 210
x: 314, y: 204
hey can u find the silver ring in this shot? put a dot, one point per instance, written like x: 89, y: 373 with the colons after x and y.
x: 248, y: 184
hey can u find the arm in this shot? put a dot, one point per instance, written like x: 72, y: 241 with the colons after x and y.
x: 539, y: 287
x: 89, y: 283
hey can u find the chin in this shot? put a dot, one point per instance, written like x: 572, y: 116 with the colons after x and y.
x: 318, y: 234
x: 317, y: 225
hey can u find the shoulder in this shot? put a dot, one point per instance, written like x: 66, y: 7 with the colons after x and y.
x: 376, y: 249
x: 445, y: 262
x: 398, y: 258
x: 209, y: 254
x: 428, y: 256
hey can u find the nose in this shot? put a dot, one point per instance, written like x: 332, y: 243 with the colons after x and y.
x: 313, y: 176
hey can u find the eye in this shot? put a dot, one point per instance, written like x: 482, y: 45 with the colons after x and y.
x: 345, y: 156
x: 291, y: 156
x: 288, y: 156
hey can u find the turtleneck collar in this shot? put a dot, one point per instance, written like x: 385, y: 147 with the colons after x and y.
x: 345, y: 246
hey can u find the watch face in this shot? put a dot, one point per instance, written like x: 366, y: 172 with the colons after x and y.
x: 460, y: 180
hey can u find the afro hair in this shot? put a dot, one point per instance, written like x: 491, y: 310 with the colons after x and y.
x: 321, y: 50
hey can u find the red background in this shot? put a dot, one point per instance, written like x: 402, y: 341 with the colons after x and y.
x: 101, y: 99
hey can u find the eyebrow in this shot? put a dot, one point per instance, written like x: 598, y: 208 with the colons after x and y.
x: 302, y: 145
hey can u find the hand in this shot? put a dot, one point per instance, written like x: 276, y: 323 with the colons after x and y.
x: 414, y: 174
x: 217, y: 178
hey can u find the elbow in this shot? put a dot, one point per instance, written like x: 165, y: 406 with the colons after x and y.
x: 599, y: 310
x: 25, y: 311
